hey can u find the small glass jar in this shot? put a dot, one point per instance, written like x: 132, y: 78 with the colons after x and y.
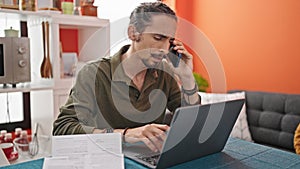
x: 28, y: 5
x: 8, y: 138
x: 24, y: 140
x: 67, y: 6
x: 89, y: 10
x: 18, y: 132
x: 2, y: 135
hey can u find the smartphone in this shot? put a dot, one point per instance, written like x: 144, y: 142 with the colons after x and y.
x: 174, y: 56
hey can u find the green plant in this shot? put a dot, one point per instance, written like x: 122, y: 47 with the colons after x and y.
x: 201, y: 82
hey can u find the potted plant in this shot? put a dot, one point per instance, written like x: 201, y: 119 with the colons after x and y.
x: 201, y: 82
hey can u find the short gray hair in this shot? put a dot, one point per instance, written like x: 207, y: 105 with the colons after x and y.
x: 141, y: 16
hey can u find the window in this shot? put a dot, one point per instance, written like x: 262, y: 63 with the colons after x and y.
x: 11, y: 109
x: 14, y: 111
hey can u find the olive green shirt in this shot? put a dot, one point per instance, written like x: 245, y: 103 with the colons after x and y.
x: 104, y: 96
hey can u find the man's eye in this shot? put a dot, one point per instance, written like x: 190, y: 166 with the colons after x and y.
x: 158, y: 37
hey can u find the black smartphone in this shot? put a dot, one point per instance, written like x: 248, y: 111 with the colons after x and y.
x: 174, y: 56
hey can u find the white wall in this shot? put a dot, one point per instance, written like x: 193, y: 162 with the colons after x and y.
x: 6, y: 23
x: 116, y: 9
x: 118, y: 12
x: 41, y: 104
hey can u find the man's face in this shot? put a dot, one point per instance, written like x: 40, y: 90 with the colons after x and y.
x: 155, y: 40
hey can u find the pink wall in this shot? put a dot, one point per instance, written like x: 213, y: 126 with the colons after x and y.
x: 258, y: 42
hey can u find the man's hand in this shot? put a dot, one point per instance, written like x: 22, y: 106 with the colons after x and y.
x: 185, y: 72
x: 153, y: 135
x: 185, y: 67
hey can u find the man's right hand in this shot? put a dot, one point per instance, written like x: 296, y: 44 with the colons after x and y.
x: 153, y: 135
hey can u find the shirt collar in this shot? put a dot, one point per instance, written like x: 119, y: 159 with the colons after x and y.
x: 117, y: 70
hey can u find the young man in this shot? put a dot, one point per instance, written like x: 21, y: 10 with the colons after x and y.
x: 130, y: 91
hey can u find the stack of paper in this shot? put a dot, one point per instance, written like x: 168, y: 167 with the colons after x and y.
x: 86, y: 151
x: 3, y: 159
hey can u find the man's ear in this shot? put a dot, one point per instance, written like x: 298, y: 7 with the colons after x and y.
x: 133, y: 34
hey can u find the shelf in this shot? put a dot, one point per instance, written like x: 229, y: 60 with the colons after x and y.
x: 20, y: 15
x: 66, y: 21
x: 93, y: 40
x: 43, y: 84
x: 27, y: 87
x: 74, y: 21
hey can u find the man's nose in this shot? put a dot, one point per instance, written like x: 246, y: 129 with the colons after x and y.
x: 163, y: 51
x: 164, y: 48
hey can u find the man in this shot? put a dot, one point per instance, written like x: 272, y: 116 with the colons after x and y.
x: 129, y: 92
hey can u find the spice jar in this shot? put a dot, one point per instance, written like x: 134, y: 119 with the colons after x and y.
x: 2, y: 135
x: 8, y: 138
x: 27, y: 5
x: 67, y: 6
x: 87, y: 8
x: 24, y: 140
x: 18, y: 132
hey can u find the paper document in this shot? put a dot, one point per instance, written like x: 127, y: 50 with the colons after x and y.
x: 86, y: 151
x: 3, y: 159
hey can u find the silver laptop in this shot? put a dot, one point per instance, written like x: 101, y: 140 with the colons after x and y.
x: 195, y: 131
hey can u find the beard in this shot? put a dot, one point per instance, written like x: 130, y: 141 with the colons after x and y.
x: 153, y: 61
x: 150, y: 63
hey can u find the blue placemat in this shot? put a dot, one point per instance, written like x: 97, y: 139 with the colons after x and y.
x: 34, y: 164
x: 237, y: 154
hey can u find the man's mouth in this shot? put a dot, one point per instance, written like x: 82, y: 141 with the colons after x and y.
x: 157, y: 57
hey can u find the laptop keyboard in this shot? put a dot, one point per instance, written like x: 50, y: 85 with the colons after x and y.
x: 149, y: 159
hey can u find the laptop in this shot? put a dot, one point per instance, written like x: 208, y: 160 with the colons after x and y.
x: 195, y: 131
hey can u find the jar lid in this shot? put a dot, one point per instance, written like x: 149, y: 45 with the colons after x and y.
x: 3, y: 132
x: 11, y: 32
x: 18, y: 129
x: 8, y: 135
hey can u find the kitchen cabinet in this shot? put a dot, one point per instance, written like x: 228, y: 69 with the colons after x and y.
x: 93, y: 42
